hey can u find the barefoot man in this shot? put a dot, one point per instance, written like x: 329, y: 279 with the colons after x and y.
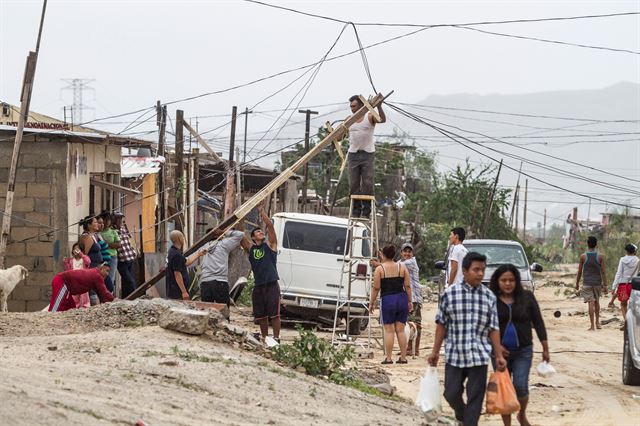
x: 591, y: 270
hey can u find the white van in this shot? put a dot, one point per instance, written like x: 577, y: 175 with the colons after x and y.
x: 310, y: 257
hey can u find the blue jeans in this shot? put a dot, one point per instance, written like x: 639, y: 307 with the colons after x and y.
x: 127, y: 278
x: 113, y: 264
x: 519, y: 363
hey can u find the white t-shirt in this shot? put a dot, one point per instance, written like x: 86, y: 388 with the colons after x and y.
x: 457, y: 253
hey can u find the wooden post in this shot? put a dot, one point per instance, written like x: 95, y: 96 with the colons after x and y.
x: 179, y: 183
x: 230, y: 187
x: 25, y: 101
x: 307, y: 129
x: 244, y: 149
x: 238, y: 181
x: 161, y: 121
x: 487, y: 216
x: 266, y: 191
x: 544, y: 227
x: 515, y: 195
x: 524, y: 211
x: 517, y: 208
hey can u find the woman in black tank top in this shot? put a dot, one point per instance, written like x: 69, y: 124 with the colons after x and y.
x: 392, y: 281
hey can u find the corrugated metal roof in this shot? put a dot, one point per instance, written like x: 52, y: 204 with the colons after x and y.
x: 135, y: 167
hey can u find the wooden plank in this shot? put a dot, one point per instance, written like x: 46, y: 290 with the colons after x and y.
x: 149, y: 214
x: 201, y: 141
x: 114, y: 187
x: 260, y: 196
x: 370, y: 108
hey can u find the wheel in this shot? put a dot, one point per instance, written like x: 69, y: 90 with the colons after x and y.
x: 354, y: 328
x: 630, y: 374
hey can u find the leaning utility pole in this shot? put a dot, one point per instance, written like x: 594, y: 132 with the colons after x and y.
x: 544, y: 227
x: 487, y: 216
x: 180, y: 185
x: 25, y: 100
x: 244, y: 149
x: 267, y: 190
x: 230, y: 187
x: 524, y: 211
x: 307, y: 129
x: 161, y: 121
x: 515, y: 194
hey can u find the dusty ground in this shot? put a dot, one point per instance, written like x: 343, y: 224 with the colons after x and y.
x: 75, y: 368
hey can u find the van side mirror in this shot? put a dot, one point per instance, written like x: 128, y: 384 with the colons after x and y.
x: 440, y: 265
x: 635, y: 284
x: 536, y: 267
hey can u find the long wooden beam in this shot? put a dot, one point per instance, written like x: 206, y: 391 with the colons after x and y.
x: 201, y: 141
x: 263, y: 194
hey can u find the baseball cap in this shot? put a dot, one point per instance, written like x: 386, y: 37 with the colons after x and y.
x: 406, y: 246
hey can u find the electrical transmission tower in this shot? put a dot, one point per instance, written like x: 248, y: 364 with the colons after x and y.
x: 78, y: 85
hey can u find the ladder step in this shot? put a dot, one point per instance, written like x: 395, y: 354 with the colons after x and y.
x: 363, y: 197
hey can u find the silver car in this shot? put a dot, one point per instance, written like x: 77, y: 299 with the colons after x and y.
x: 631, y: 351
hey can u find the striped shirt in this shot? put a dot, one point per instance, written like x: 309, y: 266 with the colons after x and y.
x: 468, y: 314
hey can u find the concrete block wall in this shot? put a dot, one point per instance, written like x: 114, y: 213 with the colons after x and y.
x: 39, y: 218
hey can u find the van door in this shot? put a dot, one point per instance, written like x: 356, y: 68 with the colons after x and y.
x: 310, y: 260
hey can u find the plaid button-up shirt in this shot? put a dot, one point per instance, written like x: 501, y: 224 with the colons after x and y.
x: 126, y: 252
x: 468, y: 314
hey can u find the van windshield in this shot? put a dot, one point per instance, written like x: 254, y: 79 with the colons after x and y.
x: 313, y: 237
x: 499, y: 254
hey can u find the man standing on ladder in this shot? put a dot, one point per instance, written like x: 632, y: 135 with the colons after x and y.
x: 361, y: 156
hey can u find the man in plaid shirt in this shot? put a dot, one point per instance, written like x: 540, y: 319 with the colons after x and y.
x: 468, y: 318
x: 126, y: 256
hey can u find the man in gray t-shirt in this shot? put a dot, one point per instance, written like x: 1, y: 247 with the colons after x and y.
x: 214, y: 282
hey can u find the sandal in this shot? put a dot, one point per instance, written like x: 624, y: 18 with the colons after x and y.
x: 387, y: 361
x: 400, y: 361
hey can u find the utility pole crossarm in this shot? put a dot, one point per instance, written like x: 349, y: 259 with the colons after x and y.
x: 264, y: 193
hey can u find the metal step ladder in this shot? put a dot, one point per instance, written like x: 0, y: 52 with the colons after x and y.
x: 364, y: 230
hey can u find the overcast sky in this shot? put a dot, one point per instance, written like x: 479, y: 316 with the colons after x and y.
x: 142, y: 51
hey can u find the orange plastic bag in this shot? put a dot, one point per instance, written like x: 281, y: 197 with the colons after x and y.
x: 501, y: 395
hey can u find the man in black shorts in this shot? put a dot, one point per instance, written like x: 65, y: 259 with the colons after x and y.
x: 266, y: 291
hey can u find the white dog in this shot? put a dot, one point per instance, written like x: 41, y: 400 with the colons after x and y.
x: 9, y: 279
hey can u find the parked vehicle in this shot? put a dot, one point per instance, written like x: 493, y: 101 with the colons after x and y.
x: 500, y: 252
x: 631, y: 348
x: 311, y: 252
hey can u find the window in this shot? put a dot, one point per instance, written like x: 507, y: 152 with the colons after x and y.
x: 499, y: 254
x: 316, y: 238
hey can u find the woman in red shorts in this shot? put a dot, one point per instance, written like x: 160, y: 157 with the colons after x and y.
x: 627, y: 269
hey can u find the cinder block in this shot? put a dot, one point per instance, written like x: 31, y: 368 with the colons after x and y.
x: 15, y: 249
x: 26, y: 174
x: 23, y: 292
x: 25, y: 261
x: 4, y: 174
x: 44, y: 175
x: 43, y: 205
x: 43, y: 264
x: 23, y: 204
x: 37, y: 219
x: 39, y: 190
x: 39, y: 279
x: 17, y: 305
x: 36, y: 305
x: 35, y: 160
x: 19, y: 233
x: 37, y: 248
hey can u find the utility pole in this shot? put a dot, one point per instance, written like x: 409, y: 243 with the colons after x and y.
x: 244, y: 149
x: 524, y: 212
x: 238, y: 181
x: 544, y: 227
x: 517, y: 204
x: 515, y: 195
x: 25, y: 101
x: 161, y: 121
x: 230, y: 187
x: 487, y: 216
x: 307, y: 130
x: 180, y: 186
x: 589, y: 213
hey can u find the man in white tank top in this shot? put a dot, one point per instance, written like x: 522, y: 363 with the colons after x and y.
x: 361, y: 156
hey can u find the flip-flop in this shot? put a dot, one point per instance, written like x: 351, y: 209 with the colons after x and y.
x: 387, y: 361
x: 402, y: 362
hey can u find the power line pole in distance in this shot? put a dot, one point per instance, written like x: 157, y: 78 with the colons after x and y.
x: 307, y: 130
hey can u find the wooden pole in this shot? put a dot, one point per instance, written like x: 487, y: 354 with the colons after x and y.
x: 487, y: 216
x: 307, y: 128
x: 25, y: 101
x: 515, y: 195
x: 238, y: 181
x: 544, y: 227
x: 524, y: 211
x: 517, y: 208
x: 161, y: 121
x: 266, y: 191
x: 244, y: 147
x: 230, y: 185
x: 180, y: 187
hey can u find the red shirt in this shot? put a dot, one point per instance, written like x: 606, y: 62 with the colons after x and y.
x: 80, y: 281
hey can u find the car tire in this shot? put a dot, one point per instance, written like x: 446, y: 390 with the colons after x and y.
x: 630, y: 374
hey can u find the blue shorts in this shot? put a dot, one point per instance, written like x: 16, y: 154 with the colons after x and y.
x: 394, y: 308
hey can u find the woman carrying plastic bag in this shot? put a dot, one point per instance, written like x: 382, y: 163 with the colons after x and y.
x: 428, y: 399
x: 501, y: 395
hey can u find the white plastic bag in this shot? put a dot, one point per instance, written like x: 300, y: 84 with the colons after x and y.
x: 428, y: 399
x: 545, y: 369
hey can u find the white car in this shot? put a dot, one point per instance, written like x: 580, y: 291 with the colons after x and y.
x: 631, y: 349
x: 311, y: 252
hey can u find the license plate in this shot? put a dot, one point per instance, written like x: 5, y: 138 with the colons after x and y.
x: 308, y: 303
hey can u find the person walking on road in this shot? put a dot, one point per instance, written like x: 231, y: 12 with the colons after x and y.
x: 214, y: 282
x: 361, y: 155
x: 468, y: 318
x: 621, y: 287
x: 263, y: 256
x: 591, y: 270
x: 518, y: 313
x: 392, y: 281
x: 415, y: 315
x: 457, y: 252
